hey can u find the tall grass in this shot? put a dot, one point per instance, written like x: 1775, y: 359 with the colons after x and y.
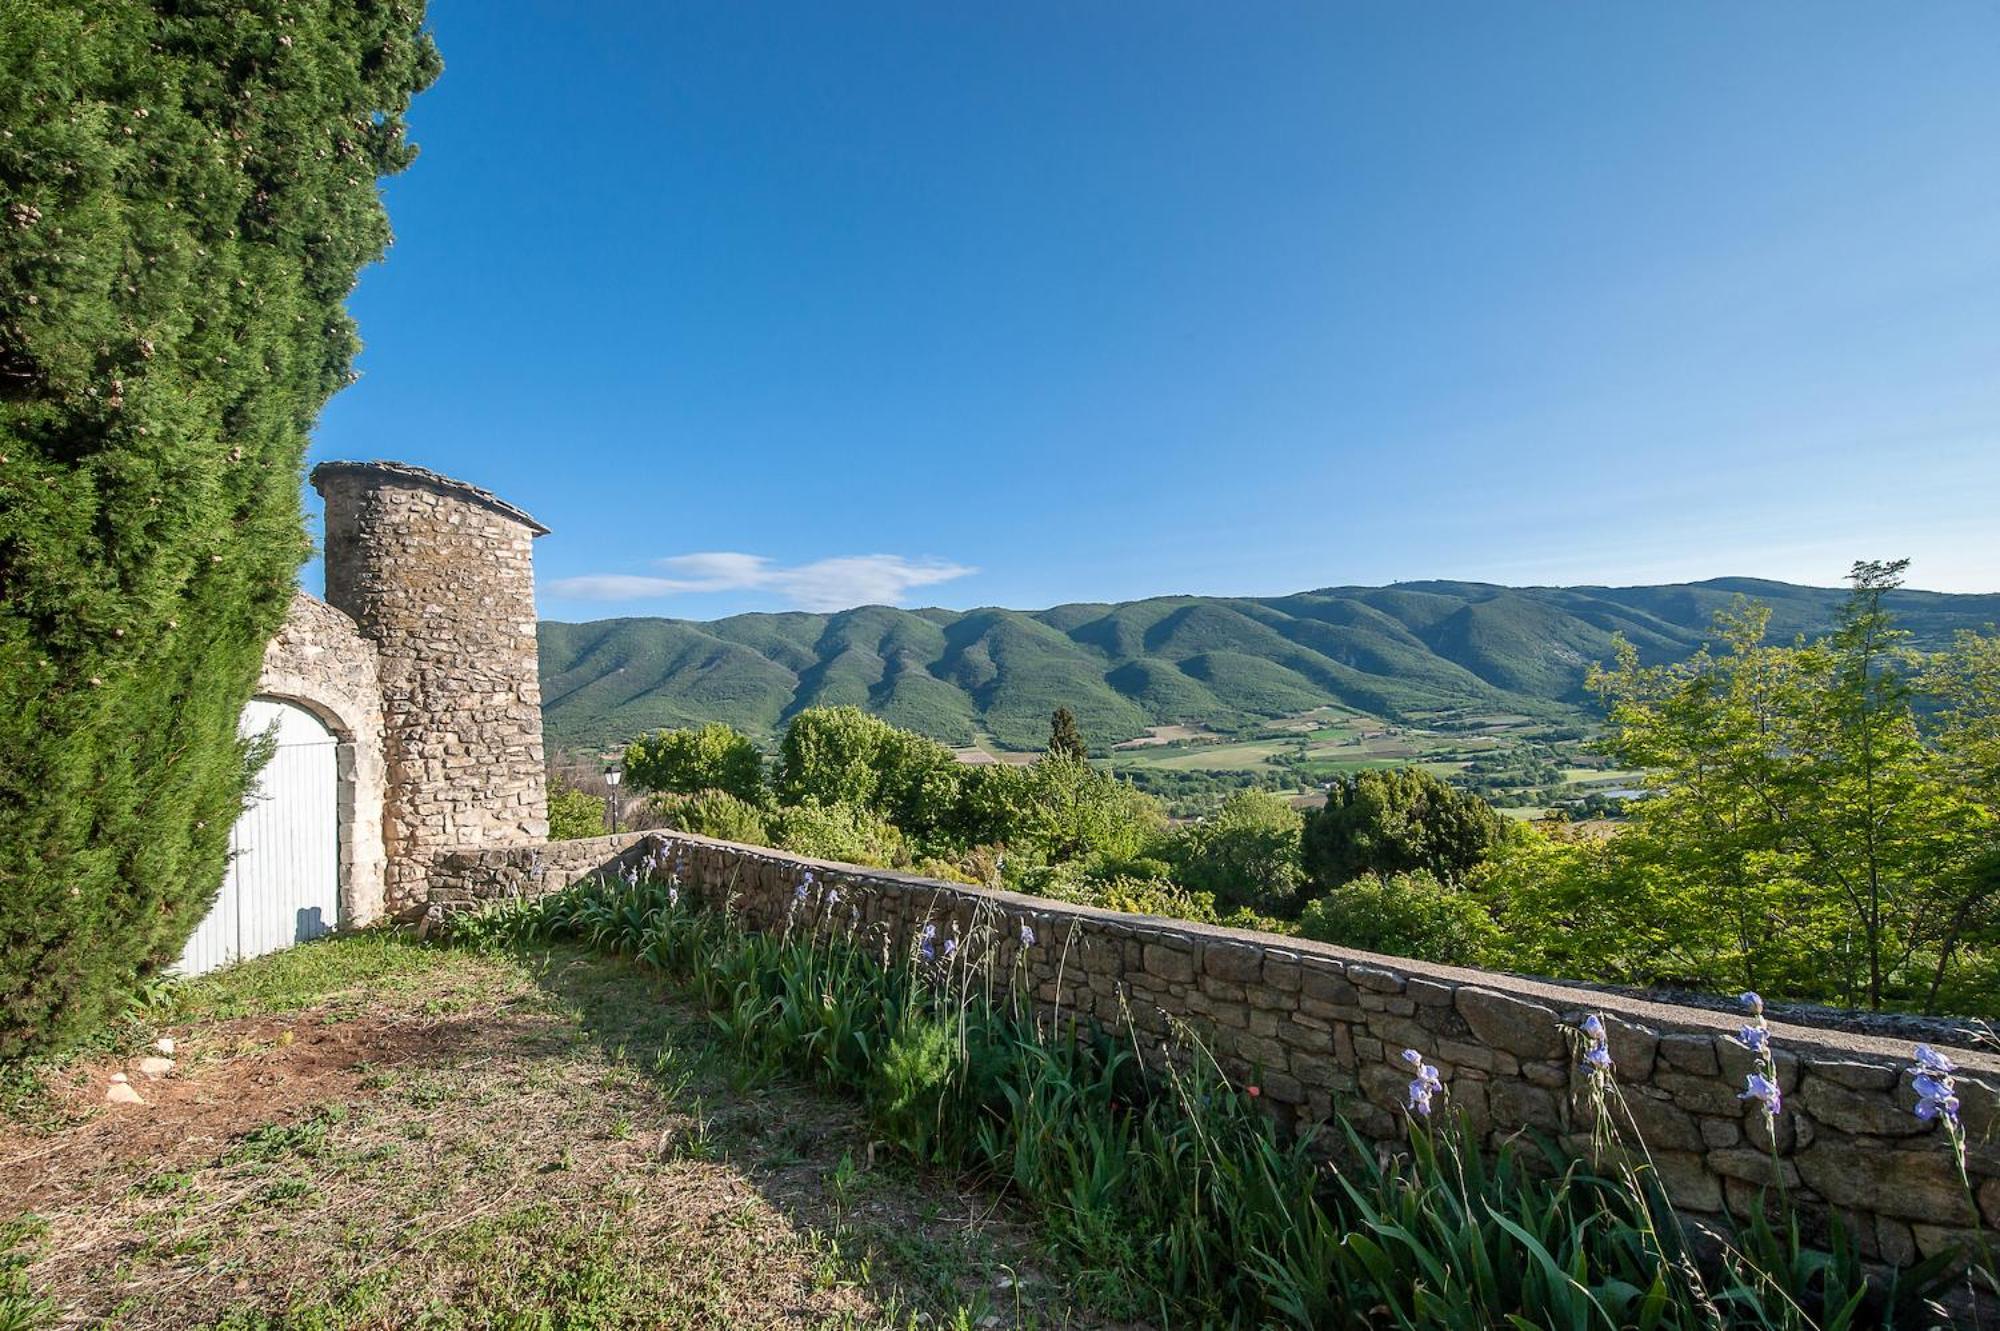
x: 1164, y: 1189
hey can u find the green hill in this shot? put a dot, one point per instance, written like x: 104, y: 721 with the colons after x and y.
x: 1416, y: 648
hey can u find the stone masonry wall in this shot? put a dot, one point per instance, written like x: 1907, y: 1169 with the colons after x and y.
x: 439, y: 575
x: 462, y: 878
x: 321, y: 662
x: 1322, y: 1028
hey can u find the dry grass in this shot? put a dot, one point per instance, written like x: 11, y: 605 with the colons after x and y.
x: 365, y: 1133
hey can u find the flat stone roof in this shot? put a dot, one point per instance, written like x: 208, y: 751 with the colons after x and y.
x: 403, y: 471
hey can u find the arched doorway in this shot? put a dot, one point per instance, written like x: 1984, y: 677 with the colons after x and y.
x: 283, y: 881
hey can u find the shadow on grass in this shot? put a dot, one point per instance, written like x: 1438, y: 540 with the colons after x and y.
x: 918, y: 1239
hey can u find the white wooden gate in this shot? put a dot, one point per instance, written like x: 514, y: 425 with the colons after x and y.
x: 283, y: 882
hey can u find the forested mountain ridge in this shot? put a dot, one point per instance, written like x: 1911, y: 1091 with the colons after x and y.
x: 1411, y: 648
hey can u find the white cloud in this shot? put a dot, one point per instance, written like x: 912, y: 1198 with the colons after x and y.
x: 824, y: 584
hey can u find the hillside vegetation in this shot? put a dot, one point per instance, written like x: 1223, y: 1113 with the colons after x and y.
x: 1403, y: 651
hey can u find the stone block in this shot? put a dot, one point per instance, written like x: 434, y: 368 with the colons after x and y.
x: 1430, y: 993
x: 1517, y: 1106
x: 1223, y: 990
x: 1687, y: 1180
x: 1282, y: 973
x: 1168, y: 961
x: 1238, y: 962
x: 1326, y: 982
x: 1660, y: 1123
x: 1895, y: 1242
x: 1634, y: 1048
x: 1378, y: 978
x: 1701, y: 1094
x: 1856, y: 1076
x: 1861, y: 1175
x: 1874, y: 1113
x: 1691, y: 1054
x: 1754, y: 1167
x: 1513, y: 1024
x: 1717, y: 1133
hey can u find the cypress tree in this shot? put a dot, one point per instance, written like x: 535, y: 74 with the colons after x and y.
x: 1065, y: 740
x: 189, y: 191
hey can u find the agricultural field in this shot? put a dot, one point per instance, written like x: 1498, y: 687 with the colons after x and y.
x: 1524, y: 765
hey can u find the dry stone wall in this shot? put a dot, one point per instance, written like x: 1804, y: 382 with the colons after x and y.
x: 439, y: 575
x: 1321, y: 1029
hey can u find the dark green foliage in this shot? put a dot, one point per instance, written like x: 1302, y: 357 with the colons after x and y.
x: 1245, y: 854
x: 1221, y: 662
x: 574, y: 813
x: 1821, y: 820
x: 715, y: 813
x: 1405, y: 915
x: 1065, y: 740
x: 1395, y: 821
x: 710, y: 757
x: 190, y: 190
x: 842, y: 755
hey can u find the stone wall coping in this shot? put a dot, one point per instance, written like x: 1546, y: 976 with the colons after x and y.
x: 1564, y: 998
x: 424, y: 476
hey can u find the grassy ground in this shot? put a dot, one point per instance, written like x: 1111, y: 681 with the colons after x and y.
x: 365, y: 1132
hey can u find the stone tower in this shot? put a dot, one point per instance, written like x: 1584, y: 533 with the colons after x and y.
x: 440, y: 576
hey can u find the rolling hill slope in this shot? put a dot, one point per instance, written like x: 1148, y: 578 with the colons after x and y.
x: 1410, y: 649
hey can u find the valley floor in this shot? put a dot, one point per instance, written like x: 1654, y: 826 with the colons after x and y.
x: 369, y: 1133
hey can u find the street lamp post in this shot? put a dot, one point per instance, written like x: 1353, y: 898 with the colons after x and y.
x: 611, y: 779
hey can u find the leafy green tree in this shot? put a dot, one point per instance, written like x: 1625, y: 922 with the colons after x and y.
x: 1409, y: 914
x: 1065, y: 740
x: 574, y: 814
x: 1804, y: 834
x: 844, y: 756
x: 1246, y: 854
x: 710, y: 757
x: 190, y: 191
x: 1058, y: 810
x: 1395, y: 821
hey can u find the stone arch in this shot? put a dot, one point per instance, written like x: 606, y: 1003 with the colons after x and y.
x: 319, y: 661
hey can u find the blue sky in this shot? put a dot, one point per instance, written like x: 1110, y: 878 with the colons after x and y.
x: 762, y: 306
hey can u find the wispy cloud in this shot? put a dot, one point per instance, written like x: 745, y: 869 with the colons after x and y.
x: 824, y: 584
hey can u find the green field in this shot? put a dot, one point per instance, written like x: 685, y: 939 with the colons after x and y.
x: 1514, y: 760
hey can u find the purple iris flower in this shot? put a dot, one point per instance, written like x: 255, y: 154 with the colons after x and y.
x: 1597, y: 1055
x: 1027, y: 935
x: 1427, y: 1083
x: 1756, y: 1038
x: 1933, y: 1062
x: 1937, y: 1093
x: 1758, y: 1087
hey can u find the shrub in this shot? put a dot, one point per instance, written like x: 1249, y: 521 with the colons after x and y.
x: 1386, y: 822
x: 1405, y: 915
x: 844, y: 832
x: 1245, y: 854
x: 573, y: 813
x: 844, y: 756
x: 711, y: 757
x: 715, y: 813
x: 191, y: 191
